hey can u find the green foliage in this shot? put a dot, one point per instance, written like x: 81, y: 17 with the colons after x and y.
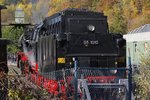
x: 142, y: 79
x: 12, y: 34
x: 118, y: 24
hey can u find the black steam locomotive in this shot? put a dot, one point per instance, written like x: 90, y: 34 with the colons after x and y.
x: 72, y: 33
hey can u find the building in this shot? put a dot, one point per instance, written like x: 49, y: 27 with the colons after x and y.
x: 138, y: 45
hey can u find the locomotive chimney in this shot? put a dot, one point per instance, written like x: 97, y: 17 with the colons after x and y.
x: 1, y: 7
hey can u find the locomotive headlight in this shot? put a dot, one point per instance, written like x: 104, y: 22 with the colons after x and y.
x: 91, y: 28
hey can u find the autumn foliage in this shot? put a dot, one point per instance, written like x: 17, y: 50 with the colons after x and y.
x: 123, y: 15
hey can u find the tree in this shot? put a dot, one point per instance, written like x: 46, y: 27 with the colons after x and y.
x: 2, y: 1
x: 8, y: 14
x: 118, y: 23
x: 12, y: 34
x: 28, y: 12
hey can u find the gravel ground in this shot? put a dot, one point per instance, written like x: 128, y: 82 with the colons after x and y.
x: 13, y: 69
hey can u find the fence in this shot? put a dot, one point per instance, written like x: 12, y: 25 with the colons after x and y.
x: 61, y: 83
x: 65, y: 82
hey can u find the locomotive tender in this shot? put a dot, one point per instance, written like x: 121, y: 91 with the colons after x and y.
x: 72, y: 33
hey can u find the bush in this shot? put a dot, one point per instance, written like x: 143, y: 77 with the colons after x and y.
x: 142, y: 79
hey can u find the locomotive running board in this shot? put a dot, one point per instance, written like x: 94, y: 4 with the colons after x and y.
x: 106, y: 85
x: 76, y: 55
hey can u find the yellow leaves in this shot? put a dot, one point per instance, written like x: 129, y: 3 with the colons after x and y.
x: 56, y: 2
x: 11, y: 8
x: 20, y: 6
x: 57, y: 5
x: 28, y: 9
x: 134, y: 12
x: 29, y: 6
x: 146, y: 10
x: 2, y: 1
x: 142, y: 87
x: 133, y: 9
x: 8, y: 14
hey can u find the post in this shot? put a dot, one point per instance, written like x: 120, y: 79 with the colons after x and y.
x: 3, y: 63
x: 1, y: 7
x: 130, y: 76
x: 75, y: 79
x: 0, y: 25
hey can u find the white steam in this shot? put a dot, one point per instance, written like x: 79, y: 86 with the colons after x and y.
x: 30, y: 55
x: 39, y: 11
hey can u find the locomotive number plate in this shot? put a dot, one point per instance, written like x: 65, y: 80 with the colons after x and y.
x: 90, y: 42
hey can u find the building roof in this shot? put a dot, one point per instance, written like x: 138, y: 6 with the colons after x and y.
x: 144, y: 28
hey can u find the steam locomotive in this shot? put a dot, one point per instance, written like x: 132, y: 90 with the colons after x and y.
x: 72, y: 33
